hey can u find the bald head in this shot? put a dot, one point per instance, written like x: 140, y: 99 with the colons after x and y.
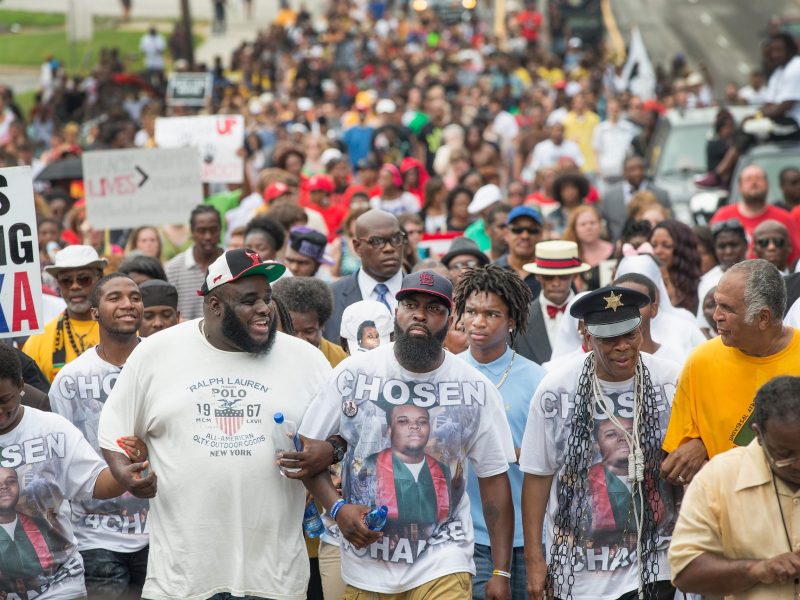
x: 379, y: 243
x: 771, y: 242
x: 771, y: 226
x: 373, y: 220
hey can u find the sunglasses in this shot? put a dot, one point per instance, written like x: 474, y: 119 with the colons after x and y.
x: 729, y: 225
x: 66, y: 282
x: 517, y: 230
x: 764, y: 243
x: 376, y: 241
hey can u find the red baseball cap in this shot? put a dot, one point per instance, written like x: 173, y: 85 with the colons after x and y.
x: 320, y: 183
x: 275, y: 190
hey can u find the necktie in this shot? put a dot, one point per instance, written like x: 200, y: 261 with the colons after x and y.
x: 381, y: 291
x: 552, y: 310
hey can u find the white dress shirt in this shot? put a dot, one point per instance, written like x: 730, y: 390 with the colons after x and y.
x: 551, y: 325
x: 367, y: 286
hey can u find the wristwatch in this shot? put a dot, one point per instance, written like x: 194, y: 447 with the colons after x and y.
x: 339, y: 448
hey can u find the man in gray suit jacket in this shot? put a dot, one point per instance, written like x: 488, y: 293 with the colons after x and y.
x: 379, y: 243
x: 555, y: 266
x: 617, y: 197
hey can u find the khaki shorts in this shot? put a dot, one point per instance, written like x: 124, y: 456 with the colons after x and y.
x: 456, y: 586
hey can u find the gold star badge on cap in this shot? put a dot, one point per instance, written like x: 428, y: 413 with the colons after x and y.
x: 613, y: 301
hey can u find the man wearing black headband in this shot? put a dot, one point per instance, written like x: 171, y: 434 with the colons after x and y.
x: 160, y: 300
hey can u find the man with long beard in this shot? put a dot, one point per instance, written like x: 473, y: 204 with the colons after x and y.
x: 202, y: 395
x: 434, y: 412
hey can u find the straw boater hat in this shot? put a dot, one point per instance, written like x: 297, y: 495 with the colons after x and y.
x: 556, y: 257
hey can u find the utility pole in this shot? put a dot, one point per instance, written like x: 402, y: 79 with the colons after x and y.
x: 499, y: 21
x: 186, y: 18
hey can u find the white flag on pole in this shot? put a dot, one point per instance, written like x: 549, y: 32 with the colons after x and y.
x: 638, y: 73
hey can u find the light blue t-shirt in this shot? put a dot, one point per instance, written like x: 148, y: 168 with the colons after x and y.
x: 517, y: 391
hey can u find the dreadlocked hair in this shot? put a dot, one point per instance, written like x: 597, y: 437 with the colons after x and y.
x: 497, y: 280
x: 284, y: 318
x: 573, y: 518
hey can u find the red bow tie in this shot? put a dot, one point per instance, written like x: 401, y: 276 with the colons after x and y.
x: 552, y: 310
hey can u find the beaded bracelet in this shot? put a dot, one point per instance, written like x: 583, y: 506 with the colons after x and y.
x: 336, y: 507
x: 505, y: 574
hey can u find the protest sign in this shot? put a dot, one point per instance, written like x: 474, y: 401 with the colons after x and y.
x: 219, y: 138
x: 20, y: 275
x: 129, y: 188
x: 189, y: 89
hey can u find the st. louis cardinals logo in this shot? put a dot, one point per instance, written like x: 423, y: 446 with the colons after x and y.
x: 426, y: 279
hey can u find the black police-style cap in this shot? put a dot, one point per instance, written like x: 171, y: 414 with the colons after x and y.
x: 610, y: 311
x: 427, y: 282
x: 156, y: 292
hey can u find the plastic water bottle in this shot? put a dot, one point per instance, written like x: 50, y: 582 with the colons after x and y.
x: 312, y: 522
x: 285, y: 437
x: 286, y: 440
x: 376, y: 518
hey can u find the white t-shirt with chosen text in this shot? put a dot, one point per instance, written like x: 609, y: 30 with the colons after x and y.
x: 605, y: 556
x: 449, y: 415
x: 54, y: 464
x: 78, y: 393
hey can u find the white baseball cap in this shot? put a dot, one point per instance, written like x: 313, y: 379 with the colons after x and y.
x: 237, y: 264
x: 484, y: 198
x: 385, y: 106
x: 304, y: 104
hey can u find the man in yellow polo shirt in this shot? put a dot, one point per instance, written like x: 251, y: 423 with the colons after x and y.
x: 65, y: 338
x: 713, y: 404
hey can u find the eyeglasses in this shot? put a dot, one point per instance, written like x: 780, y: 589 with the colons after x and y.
x: 66, y: 282
x: 781, y: 463
x: 778, y: 242
x: 729, y: 225
x: 467, y: 264
x: 376, y: 241
x: 517, y: 230
x: 433, y: 309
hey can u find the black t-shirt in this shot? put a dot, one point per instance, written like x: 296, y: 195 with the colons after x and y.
x: 430, y: 136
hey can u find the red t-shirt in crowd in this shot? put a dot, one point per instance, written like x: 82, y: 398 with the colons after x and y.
x: 731, y: 211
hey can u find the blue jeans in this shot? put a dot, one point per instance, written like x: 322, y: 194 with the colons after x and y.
x: 484, y: 568
x: 112, y: 574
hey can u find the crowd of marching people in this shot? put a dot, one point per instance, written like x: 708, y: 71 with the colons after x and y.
x: 447, y: 269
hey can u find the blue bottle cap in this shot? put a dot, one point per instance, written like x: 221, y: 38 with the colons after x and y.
x: 278, y: 417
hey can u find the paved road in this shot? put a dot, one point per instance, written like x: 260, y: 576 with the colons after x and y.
x: 724, y: 34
